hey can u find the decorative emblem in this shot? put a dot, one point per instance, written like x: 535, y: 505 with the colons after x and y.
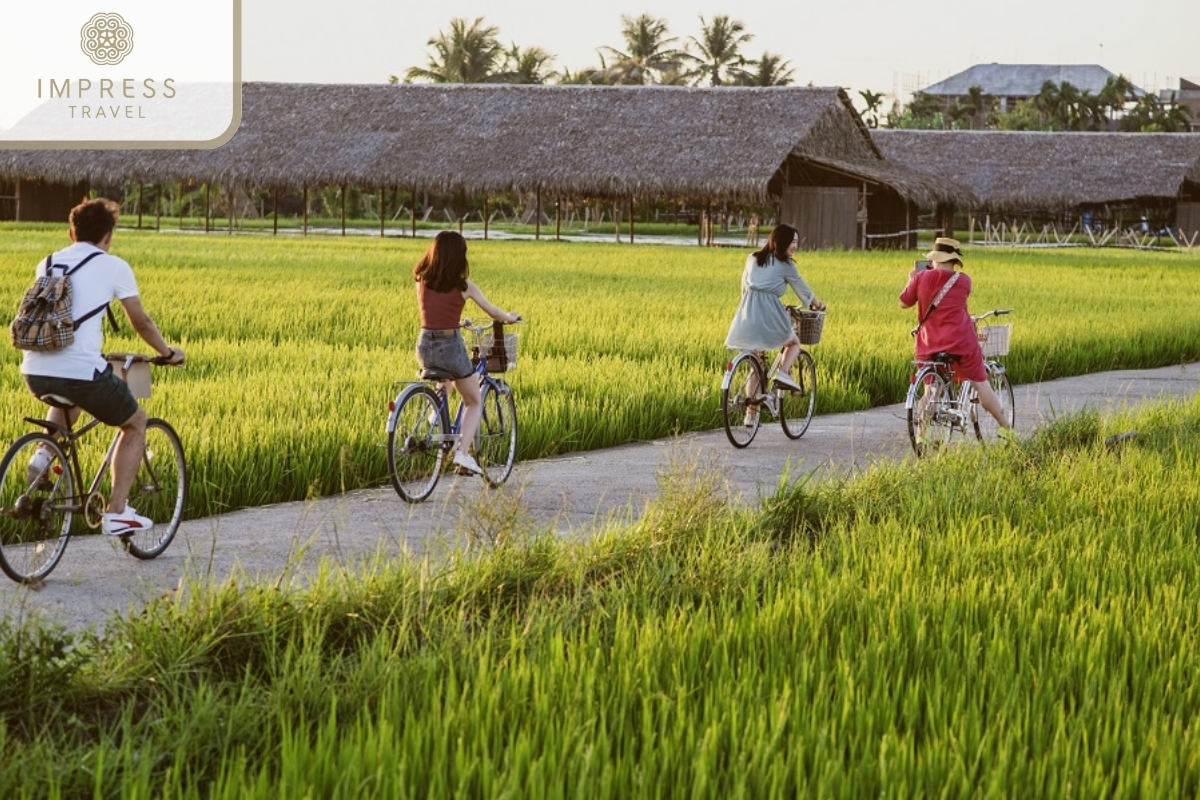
x: 106, y: 39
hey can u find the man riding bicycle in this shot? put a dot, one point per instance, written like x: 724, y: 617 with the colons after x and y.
x: 79, y: 373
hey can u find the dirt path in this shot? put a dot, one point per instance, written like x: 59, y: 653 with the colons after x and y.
x: 575, y: 494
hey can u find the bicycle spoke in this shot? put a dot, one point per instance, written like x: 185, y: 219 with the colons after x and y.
x: 36, y: 499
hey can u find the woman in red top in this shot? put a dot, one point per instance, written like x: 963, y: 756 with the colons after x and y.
x: 442, y: 292
x: 949, y: 328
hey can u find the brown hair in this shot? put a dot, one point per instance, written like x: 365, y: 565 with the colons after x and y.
x: 92, y: 220
x: 444, y: 266
x: 777, y: 245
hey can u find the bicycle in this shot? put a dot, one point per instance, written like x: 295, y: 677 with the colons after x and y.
x: 937, y: 410
x: 420, y: 435
x: 38, y: 505
x: 745, y: 396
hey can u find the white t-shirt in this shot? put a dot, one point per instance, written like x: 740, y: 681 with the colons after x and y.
x: 101, y: 280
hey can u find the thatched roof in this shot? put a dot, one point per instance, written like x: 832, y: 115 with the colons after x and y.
x: 598, y: 140
x: 1012, y: 171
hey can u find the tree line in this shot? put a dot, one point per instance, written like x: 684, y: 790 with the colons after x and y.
x: 1056, y: 107
x: 472, y: 52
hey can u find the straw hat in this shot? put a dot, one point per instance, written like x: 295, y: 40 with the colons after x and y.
x: 945, y: 249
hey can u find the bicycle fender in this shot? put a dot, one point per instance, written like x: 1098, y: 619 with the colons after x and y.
x: 726, y: 379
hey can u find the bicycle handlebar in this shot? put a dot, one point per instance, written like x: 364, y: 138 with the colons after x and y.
x: 468, y: 324
x: 138, y: 358
x: 999, y: 312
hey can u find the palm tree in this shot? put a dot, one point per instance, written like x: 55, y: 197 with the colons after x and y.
x: 469, y: 53
x: 871, y: 113
x: 770, y: 70
x: 718, y: 46
x: 525, y: 66
x: 977, y: 104
x: 648, y: 51
x: 1047, y: 102
x: 1116, y: 93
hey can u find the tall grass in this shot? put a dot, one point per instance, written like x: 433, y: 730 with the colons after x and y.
x: 295, y: 344
x: 1005, y: 622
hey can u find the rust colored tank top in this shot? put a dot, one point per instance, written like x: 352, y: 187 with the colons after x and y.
x: 440, y: 311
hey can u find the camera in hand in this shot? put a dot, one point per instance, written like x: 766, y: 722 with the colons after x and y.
x: 919, y: 265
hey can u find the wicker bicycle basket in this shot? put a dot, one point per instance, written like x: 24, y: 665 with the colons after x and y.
x: 501, y: 356
x: 994, y: 339
x: 807, y: 324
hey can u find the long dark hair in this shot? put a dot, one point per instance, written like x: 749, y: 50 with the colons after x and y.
x: 777, y: 244
x: 444, y: 266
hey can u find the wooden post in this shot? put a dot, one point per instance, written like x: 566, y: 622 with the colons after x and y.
x: 459, y: 202
x: 631, y: 219
x: 158, y: 206
x: 206, y: 208
x: 485, y: 219
x: 179, y: 199
x: 414, y: 213
x: 537, y: 216
x: 617, y: 220
x: 343, y: 209
x: 232, y: 208
x: 304, y: 221
x: 557, y: 219
x: 141, y: 186
x: 382, y: 209
x: 275, y: 211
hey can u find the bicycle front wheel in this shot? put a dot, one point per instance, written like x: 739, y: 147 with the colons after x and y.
x: 36, y: 497
x: 796, y: 407
x: 416, y: 444
x: 741, y: 399
x: 159, y: 490
x: 496, y: 441
x: 931, y: 407
x: 986, y: 427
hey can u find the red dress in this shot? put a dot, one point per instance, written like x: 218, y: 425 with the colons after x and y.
x: 949, y: 328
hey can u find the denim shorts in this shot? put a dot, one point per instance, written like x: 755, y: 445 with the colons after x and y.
x: 444, y: 350
x: 106, y: 397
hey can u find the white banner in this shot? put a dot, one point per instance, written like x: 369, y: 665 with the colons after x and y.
x: 130, y: 74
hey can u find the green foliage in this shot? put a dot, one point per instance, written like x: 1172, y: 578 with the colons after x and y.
x: 994, y: 621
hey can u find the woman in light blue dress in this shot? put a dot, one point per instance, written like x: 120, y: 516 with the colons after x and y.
x: 761, y: 322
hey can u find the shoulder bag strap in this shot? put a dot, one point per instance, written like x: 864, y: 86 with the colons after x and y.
x: 106, y: 307
x: 936, y: 300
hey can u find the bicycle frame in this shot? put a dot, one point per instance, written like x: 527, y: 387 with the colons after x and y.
x: 68, y: 439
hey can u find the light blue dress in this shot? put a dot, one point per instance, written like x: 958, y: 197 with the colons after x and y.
x: 761, y: 321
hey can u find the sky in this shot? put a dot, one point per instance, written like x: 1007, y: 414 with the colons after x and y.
x: 880, y: 45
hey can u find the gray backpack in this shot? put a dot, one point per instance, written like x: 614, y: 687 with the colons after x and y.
x: 44, y: 322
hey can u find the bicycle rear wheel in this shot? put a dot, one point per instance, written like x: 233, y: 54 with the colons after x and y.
x: 496, y: 441
x: 741, y: 405
x: 35, y: 507
x: 986, y: 427
x: 415, y: 445
x: 796, y: 408
x: 159, y: 490
x: 930, y: 405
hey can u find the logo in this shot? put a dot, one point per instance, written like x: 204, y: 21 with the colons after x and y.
x: 106, y: 39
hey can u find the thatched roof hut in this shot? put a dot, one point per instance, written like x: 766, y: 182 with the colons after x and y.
x: 480, y: 139
x: 1014, y: 171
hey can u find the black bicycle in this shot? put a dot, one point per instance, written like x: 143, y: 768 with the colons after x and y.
x: 42, y: 485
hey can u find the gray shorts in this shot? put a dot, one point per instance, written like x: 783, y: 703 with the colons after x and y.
x: 106, y: 397
x: 444, y: 350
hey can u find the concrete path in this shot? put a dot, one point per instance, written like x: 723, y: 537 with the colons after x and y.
x: 575, y: 494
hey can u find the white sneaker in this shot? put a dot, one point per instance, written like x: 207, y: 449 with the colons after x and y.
x: 785, y: 380
x: 38, y: 465
x: 467, y: 462
x: 128, y: 521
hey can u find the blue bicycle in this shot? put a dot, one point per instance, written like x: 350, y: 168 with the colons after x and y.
x: 420, y: 435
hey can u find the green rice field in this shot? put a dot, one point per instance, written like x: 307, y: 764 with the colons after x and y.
x: 1011, y: 622
x: 295, y: 344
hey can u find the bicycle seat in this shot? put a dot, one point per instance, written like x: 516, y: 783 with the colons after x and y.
x: 435, y: 374
x: 56, y: 400
x: 945, y: 358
